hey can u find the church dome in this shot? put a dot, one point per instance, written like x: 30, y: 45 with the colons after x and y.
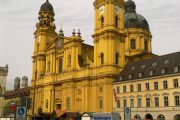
x: 47, y: 7
x: 132, y: 19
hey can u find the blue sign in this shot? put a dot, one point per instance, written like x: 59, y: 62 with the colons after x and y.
x: 21, y: 113
x: 127, y: 113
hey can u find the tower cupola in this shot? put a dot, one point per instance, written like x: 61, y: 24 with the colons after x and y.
x: 46, y: 7
x: 46, y: 16
x: 132, y: 19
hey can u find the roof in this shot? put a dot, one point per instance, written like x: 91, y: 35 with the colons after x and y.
x: 132, y: 19
x: 17, y: 93
x: 47, y: 7
x: 156, y: 66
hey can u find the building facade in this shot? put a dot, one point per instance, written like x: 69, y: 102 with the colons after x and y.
x: 150, y: 87
x: 3, y: 79
x: 19, y: 96
x: 70, y: 75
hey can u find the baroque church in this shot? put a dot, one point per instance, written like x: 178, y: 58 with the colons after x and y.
x: 70, y: 75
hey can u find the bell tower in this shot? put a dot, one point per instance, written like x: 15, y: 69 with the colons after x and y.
x: 44, y: 35
x: 109, y: 33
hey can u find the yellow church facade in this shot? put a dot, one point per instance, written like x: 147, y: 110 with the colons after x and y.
x: 72, y: 76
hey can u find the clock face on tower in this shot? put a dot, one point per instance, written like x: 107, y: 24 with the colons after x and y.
x: 117, y: 9
x: 101, y: 9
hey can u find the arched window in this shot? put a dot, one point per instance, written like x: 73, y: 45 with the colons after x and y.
x: 133, y: 44
x: 102, y: 58
x: 146, y: 45
x: 69, y: 60
x: 60, y: 65
x: 137, y: 116
x: 116, y: 21
x: 102, y: 21
x: 48, y: 66
x: 149, y: 117
x: 160, y: 117
x: 177, y: 117
x: 117, y: 58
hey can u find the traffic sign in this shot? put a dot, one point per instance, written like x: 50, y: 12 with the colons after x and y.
x: 21, y: 113
x: 127, y: 113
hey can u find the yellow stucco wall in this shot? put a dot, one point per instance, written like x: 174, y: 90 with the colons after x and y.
x: 81, y: 88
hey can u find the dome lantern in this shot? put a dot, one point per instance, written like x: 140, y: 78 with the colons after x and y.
x: 46, y: 7
x: 130, y: 6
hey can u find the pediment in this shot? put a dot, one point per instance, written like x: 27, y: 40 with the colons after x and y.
x: 131, y: 96
x: 147, y: 95
x: 165, y: 94
x: 124, y: 97
x: 155, y: 94
x: 176, y: 93
x: 139, y: 96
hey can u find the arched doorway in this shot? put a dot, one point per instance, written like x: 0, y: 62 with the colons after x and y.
x: 148, y: 116
x: 177, y: 117
x: 160, y: 117
x: 137, y: 117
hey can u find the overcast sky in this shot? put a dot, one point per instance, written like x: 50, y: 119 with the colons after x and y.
x: 18, y: 19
